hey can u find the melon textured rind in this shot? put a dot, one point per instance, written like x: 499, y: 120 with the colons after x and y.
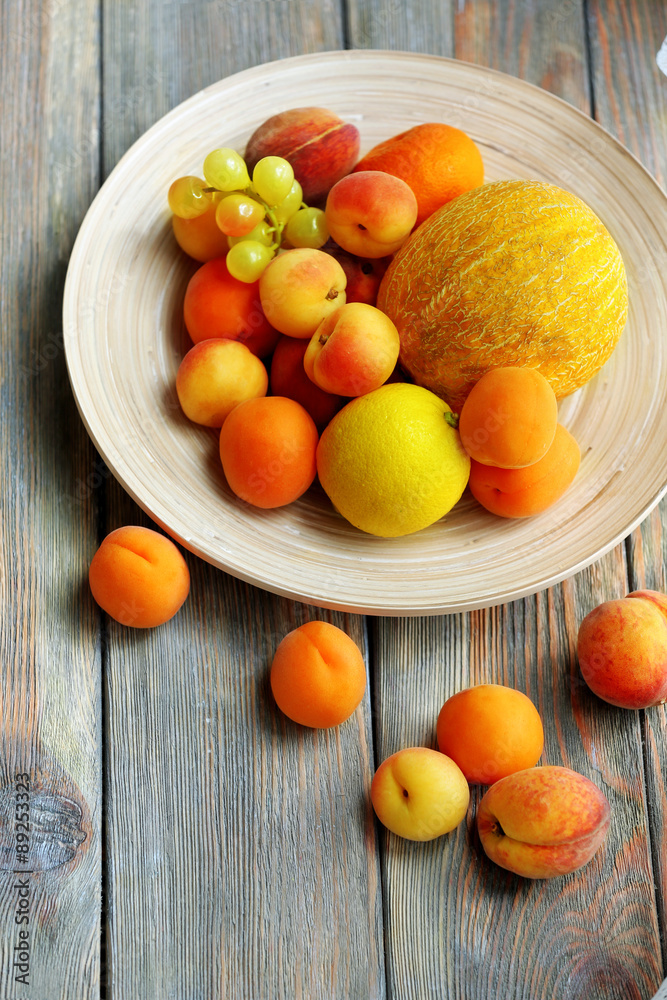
x: 510, y: 273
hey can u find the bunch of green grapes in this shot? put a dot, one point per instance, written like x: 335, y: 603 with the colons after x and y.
x: 257, y: 216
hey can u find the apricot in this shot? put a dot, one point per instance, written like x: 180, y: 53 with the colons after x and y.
x: 509, y: 418
x: 219, y: 305
x: 419, y: 794
x: 139, y: 577
x: 200, y: 238
x: 299, y: 288
x: 319, y: 145
x: 622, y: 649
x: 267, y: 450
x: 353, y: 351
x: 318, y: 675
x: 288, y: 378
x: 438, y: 161
x: 523, y: 492
x: 370, y: 213
x: 490, y: 730
x: 215, y: 376
x: 363, y: 274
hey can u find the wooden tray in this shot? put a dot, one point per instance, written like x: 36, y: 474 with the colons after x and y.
x: 124, y: 340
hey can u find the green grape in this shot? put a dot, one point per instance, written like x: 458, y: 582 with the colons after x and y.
x: 187, y: 197
x: 272, y: 178
x: 237, y: 215
x: 307, y: 228
x: 225, y: 170
x: 247, y: 260
x: 262, y: 233
x: 289, y: 205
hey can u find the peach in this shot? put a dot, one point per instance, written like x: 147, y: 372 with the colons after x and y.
x: 490, y: 730
x: 319, y: 145
x: 353, y: 351
x: 139, y: 577
x: 214, y: 376
x: 543, y: 821
x: 622, y: 649
x: 299, y: 288
x: 318, y: 675
x: 419, y: 794
x: 288, y: 378
x: 363, y: 274
x: 370, y: 213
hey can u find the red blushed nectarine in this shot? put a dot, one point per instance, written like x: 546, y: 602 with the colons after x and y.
x: 543, y: 821
x: 319, y: 145
x: 622, y: 649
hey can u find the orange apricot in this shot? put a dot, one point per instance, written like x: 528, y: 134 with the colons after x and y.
x: 509, y: 418
x: 219, y: 305
x: 267, y: 450
x: 523, y: 492
x: 200, y: 238
x: 490, y: 731
x: 318, y: 676
x: 139, y: 577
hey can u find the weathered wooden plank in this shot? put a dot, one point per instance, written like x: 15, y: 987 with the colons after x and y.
x: 242, y: 854
x: 631, y: 102
x: 455, y: 924
x: 50, y: 752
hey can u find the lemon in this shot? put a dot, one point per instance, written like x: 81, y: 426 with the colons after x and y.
x: 390, y: 462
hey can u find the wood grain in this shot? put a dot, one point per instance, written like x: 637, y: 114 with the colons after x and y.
x: 630, y: 101
x: 49, y: 691
x: 242, y: 853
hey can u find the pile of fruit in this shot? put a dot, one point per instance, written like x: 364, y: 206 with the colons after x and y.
x: 390, y: 324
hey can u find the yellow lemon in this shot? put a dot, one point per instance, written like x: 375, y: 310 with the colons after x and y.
x: 390, y: 462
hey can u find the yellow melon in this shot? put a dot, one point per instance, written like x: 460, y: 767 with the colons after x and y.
x: 510, y: 273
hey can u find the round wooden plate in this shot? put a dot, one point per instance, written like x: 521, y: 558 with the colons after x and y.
x: 124, y: 340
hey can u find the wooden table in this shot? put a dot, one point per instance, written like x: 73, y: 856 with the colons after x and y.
x: 188, y: 842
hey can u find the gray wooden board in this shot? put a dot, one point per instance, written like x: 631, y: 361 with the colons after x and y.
x: 49, y: 642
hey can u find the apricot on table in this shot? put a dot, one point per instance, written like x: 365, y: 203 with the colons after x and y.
x: 267, y: 450
x: 318, y: 675
x: 622, y: 650
x: 509, y: 418
x: 139, y: 577
x: 528, y: 491
x: 419, y: 794
x: 490, y: 730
